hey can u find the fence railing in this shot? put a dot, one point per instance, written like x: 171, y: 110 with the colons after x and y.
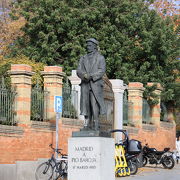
x: 164, y: 112
x: 127, y: 110
x: 7, y: 105
x: 39, y: 98
x: 146, y: 111
x: 70, y: 102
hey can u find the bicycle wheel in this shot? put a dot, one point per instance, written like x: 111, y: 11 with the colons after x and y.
x: 44, y: 171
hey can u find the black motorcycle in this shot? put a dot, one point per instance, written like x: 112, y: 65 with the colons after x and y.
x: 152, y: 156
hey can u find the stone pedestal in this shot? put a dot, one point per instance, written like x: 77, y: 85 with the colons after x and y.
x: 91, y: 158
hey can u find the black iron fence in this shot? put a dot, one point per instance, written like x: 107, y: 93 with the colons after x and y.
x: 127, y: 110
x: 39, y: 101
x: 7, y: 105
x: 163, y: 112
x: 70, y: 102
x: 107, y: 122
x: 146, y: 112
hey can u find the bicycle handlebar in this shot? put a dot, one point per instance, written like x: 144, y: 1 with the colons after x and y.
x: 56, y: 150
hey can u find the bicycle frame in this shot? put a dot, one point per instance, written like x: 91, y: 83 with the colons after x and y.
x: 55, y: 165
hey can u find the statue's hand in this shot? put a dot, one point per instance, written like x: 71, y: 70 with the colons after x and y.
x: 86, y: 77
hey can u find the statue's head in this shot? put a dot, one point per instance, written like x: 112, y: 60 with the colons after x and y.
x: 92, y: 45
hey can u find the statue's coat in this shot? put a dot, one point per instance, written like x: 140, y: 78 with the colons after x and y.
x: 96, y: 70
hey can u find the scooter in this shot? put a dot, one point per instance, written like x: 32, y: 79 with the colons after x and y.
x: 132, y: 149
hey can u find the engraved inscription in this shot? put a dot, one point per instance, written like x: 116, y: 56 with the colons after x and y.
x: 85, y: 159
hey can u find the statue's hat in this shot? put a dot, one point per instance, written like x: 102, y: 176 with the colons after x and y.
x: 93, y: 40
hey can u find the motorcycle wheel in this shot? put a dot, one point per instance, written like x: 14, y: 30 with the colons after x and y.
x: 145, y: 160
x: 133, y: 168
x: 168, y: 162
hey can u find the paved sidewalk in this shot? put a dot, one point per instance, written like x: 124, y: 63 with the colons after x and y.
x: 155, y: 173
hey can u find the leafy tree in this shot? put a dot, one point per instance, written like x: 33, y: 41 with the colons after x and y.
x: 168, y: 8
x: 10, y: 28
x: 138, y: 44
x: 5, y: 65
x: 9, y: 32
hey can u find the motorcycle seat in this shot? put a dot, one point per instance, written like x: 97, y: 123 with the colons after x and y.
x: 159, y: 152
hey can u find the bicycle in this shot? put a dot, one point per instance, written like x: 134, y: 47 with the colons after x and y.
x: 53, y: 168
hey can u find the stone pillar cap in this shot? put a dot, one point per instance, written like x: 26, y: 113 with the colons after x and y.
x: 135, y: 86
x: 74, y: 80
x: 53, y: 73
x: 20, y: 69
x: 117, y: 85
x: 116, y: 82
x: 53, y: 70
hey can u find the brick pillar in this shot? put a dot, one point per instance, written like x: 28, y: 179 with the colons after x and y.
x: 53, y: 76
x: 21, y: 75
x: 156, y: 110
x: 135, y: 95
x: 118, y: 89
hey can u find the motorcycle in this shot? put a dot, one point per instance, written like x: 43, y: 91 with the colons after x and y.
x: 152, y: 156
x: 132, y: 150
